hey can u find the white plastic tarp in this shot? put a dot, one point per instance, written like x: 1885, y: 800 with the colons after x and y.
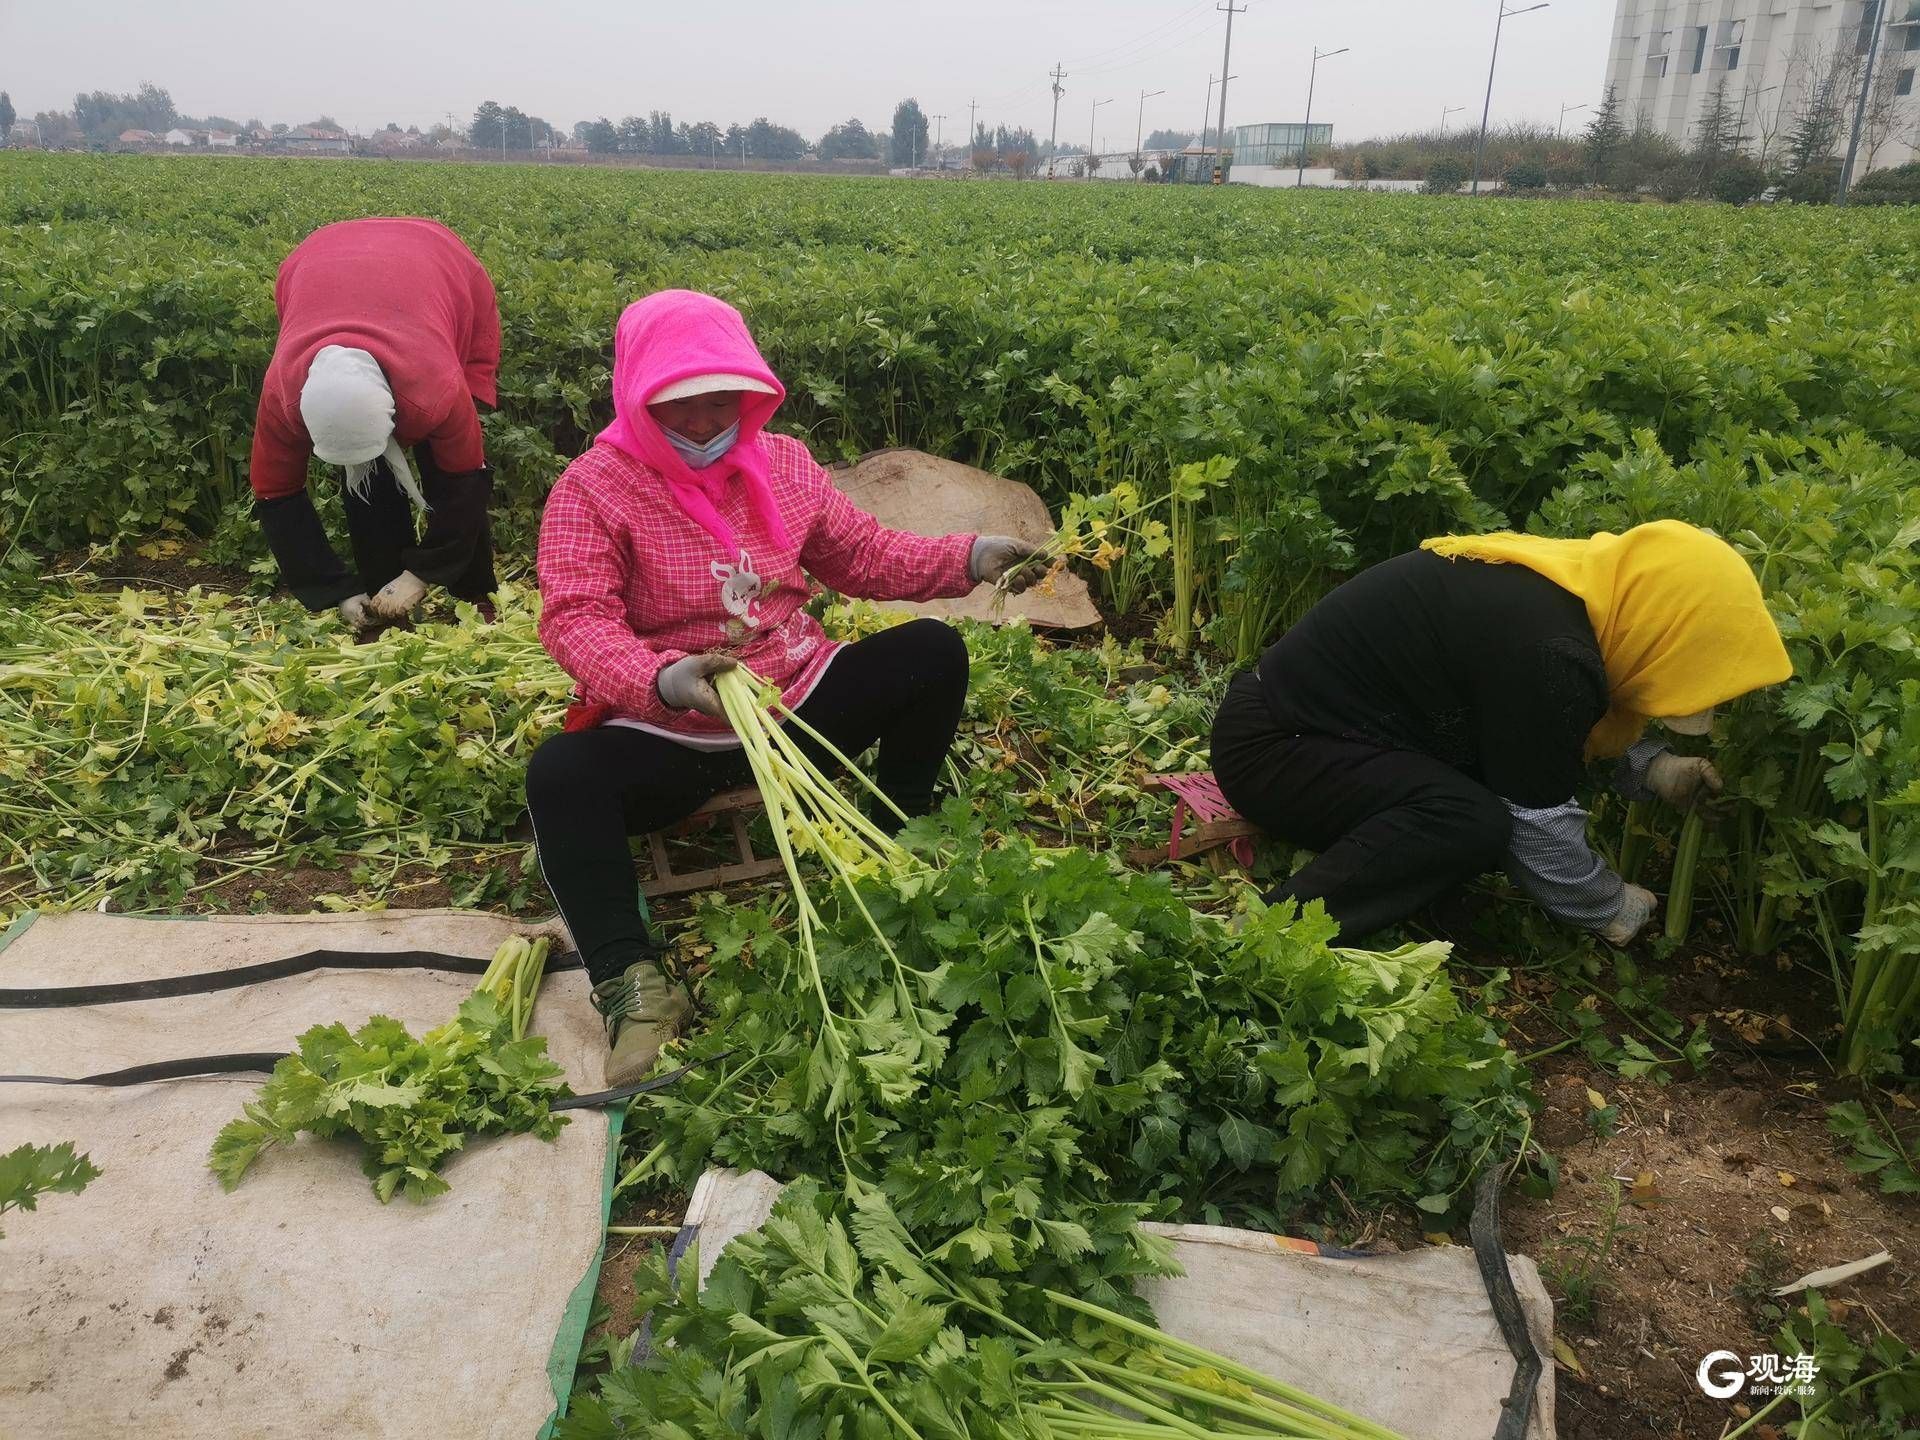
x: 154, y: 1304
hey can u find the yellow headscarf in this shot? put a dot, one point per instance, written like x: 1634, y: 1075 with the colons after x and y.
x: 1680, y: 620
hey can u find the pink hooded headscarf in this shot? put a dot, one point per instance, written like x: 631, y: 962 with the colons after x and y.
x: 674, y: 335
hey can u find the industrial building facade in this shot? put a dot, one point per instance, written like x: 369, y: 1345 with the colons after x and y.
x: 1670, y: 57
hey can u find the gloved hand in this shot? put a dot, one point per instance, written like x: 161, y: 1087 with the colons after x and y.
x: 687, y: 684
x: 353, y: 610
x: 994, y: 555
x: 1636, y: 908
x: 1682, y: 780
x: 396, y: 598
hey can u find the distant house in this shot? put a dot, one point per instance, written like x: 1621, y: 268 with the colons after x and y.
x: 183, y: 137
x: 223, y: 139
x: 316, y: 140
x: 139, y: 137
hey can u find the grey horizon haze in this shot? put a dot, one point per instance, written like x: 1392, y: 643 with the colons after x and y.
x: 813, y: 65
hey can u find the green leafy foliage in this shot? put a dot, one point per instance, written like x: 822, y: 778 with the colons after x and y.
x: 1105, y: 1054
x: 411, y: 1102
x: 831, y: 1320
x: 29, y: 1171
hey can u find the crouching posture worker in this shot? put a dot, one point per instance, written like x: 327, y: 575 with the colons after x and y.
x: 678, y: 546
x: 389, y: 333
x: 1432, y: 717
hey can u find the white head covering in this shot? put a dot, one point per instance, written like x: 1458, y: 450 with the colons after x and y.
x: 706, y: 385
x: 348, y: 410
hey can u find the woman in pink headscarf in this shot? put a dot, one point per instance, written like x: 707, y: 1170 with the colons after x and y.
x: 680, y: 545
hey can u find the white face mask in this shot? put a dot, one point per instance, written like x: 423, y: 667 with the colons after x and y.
x: 700, y: 456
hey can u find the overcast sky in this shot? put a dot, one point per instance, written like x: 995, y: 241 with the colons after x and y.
x: 810, y: 63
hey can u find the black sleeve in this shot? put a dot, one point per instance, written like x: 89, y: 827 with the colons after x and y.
x: 308, y: 564
x: 1534, y: 726
x: 456, y: 521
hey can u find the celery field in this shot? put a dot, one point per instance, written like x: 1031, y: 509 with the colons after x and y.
x: 1232, y: 400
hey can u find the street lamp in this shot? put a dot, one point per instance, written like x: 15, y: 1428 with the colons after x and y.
x: 1740, y: 125
x: 1140, y: 119
x: 1092, y: 121
x: 1480, y: 146
x: 1566, y: 110
x: 1446, y: 111
x: 1306, y: 130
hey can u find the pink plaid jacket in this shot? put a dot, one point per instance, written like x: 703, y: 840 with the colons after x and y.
x: 629, y: 584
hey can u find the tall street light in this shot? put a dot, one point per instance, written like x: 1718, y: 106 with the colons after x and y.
x: 1306, y: 130
x: 1480, y: 146
x: 1206, y: 115
x: 1740, y: 125
x: 1092, y: 120
x: 1559, y: 131
x: 1446, y: 111
x: 1140, y: 119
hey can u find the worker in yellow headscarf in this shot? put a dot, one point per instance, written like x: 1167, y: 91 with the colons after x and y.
x: 1432, y: 718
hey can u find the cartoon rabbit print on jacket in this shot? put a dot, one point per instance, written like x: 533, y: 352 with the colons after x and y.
x: 739, y: 592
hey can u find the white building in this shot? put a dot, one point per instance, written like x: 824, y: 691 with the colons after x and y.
x: 1669, y: 57
x: 177, y: 136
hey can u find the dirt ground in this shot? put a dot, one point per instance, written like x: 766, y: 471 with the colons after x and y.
x: 1717, y: 1188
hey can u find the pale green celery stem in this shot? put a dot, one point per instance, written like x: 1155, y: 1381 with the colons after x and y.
x: 1252, y: 1378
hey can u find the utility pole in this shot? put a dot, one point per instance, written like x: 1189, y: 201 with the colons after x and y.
x: 1860, y: 106
x: 1140, y: 119
x: 1226, y: 74
x: 1445, y: 111
x: 503, y: 137
x: 1480, y: 145
x: 1560, y: 130
x: 1306, y: 129
x: 939, y: 128
x: 1053, y: 140
x: 973, y: 130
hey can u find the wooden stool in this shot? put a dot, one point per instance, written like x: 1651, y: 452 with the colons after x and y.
x: 738, y: 806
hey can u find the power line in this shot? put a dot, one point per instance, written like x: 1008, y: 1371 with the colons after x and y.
x: 1102, y: 57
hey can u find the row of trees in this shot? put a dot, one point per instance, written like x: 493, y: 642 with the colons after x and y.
x: 99, y: 117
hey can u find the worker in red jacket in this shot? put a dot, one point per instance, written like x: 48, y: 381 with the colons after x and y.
x: 389, y: 332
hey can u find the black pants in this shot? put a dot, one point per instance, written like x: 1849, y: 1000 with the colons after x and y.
x: 1395, y: 830
x: 588, y: 790
x: 455, y: 552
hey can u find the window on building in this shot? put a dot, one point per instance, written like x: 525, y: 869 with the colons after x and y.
x: 1699, y: 48
x: 1910, y: 35
x: 1727, y: 42
x: 1904, y: 85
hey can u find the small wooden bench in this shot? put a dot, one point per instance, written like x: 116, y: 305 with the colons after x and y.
x: 738, y: 806
x: 1196, y: 792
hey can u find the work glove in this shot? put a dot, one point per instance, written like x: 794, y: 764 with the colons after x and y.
x: 353, y: 610
x: 687, y: 684
x: 994, y: 555
x: 1683, y: 780
x: 395, y: 599
x: 1636, y: 908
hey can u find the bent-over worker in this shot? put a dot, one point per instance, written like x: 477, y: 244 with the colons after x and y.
x: 389, y: 332
x: 1432, y: 717
x: 676, y: 547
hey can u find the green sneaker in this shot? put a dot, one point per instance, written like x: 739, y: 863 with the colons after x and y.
x: 643, y: 1010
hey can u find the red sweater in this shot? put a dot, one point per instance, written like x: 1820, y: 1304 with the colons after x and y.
x: 411, y: 295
